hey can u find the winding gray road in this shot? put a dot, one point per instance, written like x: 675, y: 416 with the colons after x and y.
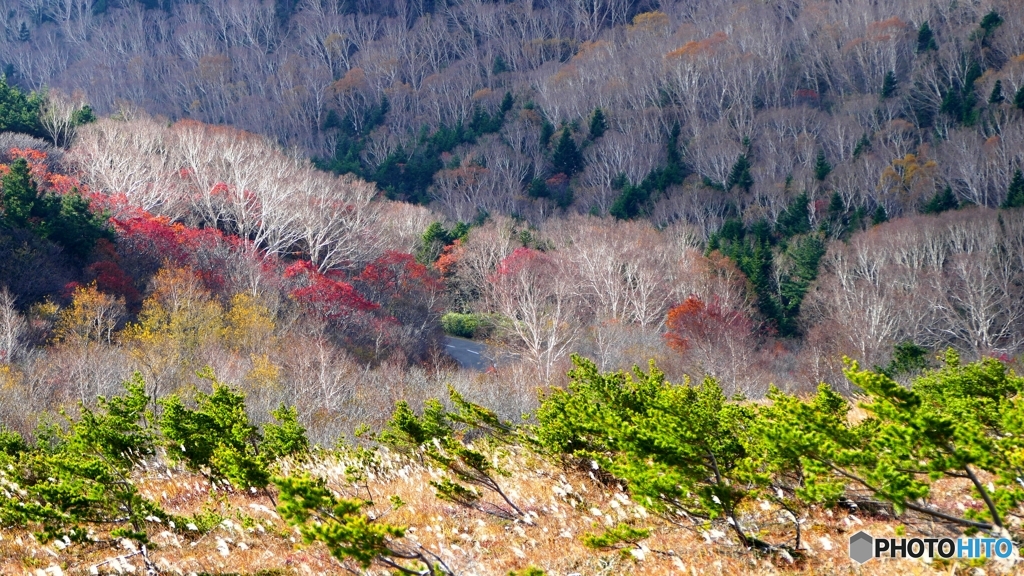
x: 467, y: 353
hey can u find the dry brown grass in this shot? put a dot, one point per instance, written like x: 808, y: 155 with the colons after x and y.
x: 563, y: 506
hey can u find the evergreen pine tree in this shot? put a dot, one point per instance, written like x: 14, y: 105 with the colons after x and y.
x: 546, y: 131
x: 537, y: 188
x: 889, y: 84
x: 796, y: 218
x: 499, y: 66
x: 951, y: 103
x: 997, y: 96
x: 740, y: 174
x: 567, y: 158
x: 863, y: 144
x: 821, y: 166
x: 1018, y: 99
x: 990, y: 22
x: 879, y: 216
x: 941, y: 202
x: 1015, y: 195
x: 598, y: 124
x: 23, y: 34
x: 836, y: 219
x: 20, y: 194
x: 83, y: 115
x: 506, y: 103
x: 925, y: 38
x: 18, y: 112
x: 835, y: 205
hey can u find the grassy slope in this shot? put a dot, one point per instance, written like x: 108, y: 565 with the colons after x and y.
x: 564, y: 505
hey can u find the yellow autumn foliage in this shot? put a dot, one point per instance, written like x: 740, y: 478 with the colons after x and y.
x: 92, y: 316
x: 248, y: 325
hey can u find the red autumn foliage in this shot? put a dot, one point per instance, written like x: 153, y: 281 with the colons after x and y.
x: 520, y: 259
x: 172, y: 240
x: 326, y: 295
x: 111, y: 279
x: 396, y: 275
x: 149, y: 241
x: 694, y: 320
x: 406, y: 290
x: 449, y: 258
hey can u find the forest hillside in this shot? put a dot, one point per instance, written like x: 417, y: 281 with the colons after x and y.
x: 238, y: 237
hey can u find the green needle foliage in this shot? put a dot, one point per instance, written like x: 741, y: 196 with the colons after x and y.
x: 951, y: 423
x: 925, y: 38
x: 1015, y: 193
x: 217, y: 439
x: 598, y: 124
x: 739, y: 175
x: 997, y: 96
x: 566, y: 157
x: 615, y: 537
x: 678, y: 448
x: 441, y: 437
x: 337, y: 522
x: 18, y: 112
x: 942, y: 201
x: 889, y: 86
x: 64, y: 219
x: 79, y: 474
x: 822, y: 167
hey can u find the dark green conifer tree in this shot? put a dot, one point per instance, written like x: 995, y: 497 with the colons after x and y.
x: 20, y: 194
x: 546, y: 131
x: 889, y: 85
x: 740, y: 176
x: 941, y: 202
x: 925, y: 39
x: 18, y: 112
x: 506, y: 103
x: 567, y: 158
x: 863, y: 144
x: 879, y: 216
x: 1015, y: 195
x: 598, y: 124
x: 997, y: 97
x: 990, y: 22
x: 822, y: 168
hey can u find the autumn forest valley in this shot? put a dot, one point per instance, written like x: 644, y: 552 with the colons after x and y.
x: 510, y: 287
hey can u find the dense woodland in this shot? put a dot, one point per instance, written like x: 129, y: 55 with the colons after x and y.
x: 302, y: 199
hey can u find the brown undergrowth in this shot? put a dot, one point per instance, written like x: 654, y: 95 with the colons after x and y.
x: 232, y: 532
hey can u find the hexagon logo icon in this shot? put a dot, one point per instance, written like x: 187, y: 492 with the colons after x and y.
x: 862, y: 547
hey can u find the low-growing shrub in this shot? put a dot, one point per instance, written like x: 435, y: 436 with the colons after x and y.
x: 461, y: 325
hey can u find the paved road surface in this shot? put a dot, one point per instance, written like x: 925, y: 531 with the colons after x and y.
x: 467, y: 353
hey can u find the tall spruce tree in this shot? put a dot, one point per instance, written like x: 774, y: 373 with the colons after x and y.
x: 942, y: 201
x: 880, y: 216
x: 889, y: 85
x: 997, y: 97
x: 822, y: 168
x: 20, y: 194
x: 598, y: 124
x: 1015, y: 195
x: 740, y: 176
x: 567, y: 158
x: 18, y: 112
x: 925, y: 39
